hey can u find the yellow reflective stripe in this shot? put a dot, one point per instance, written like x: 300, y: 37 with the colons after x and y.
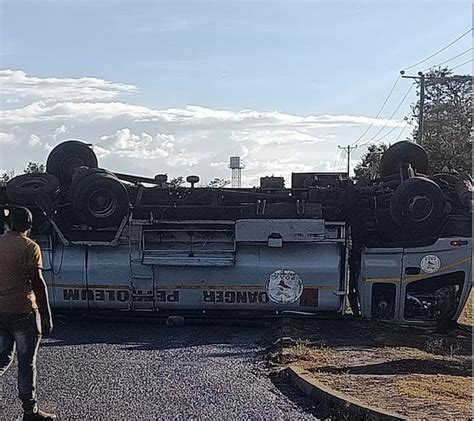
x: 382, y: 280
x: 442, y: 270
x: 411, y: 278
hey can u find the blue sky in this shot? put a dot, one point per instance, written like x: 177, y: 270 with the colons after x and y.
x: 298, y: 58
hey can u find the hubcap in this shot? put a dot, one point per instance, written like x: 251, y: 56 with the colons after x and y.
x: 420, y: 207
x: 102, y: 203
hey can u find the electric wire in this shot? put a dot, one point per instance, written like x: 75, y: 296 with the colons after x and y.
x: 380, y: 138
x: 448, y: 60
x: 401, y: 132
x: 462, y: 64
x: 388, y: 133
x: 440, y: 51
x: 373, y: 139
x: 396, y: 82
x: 393, y: 129
x: 394, y: 112
x: 379, y: 112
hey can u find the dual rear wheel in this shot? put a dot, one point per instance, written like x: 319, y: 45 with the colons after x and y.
x: 97, y: 197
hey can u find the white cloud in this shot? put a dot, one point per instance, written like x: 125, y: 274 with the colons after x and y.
x: 16, y: 85
x: 144, y: 145
x: 59, y: 131
x: 6, y: 137
x: 50, y: 110
x: 147, y: 140
x: 34, y: 140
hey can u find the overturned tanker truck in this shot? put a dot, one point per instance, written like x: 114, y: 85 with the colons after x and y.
x: 397, y: 248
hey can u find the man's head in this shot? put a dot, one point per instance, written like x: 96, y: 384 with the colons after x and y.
x: 21, y: 219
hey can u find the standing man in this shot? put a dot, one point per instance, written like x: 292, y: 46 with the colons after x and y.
x: 24, y: 307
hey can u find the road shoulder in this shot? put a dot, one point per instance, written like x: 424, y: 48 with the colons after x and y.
x: 401, y: 372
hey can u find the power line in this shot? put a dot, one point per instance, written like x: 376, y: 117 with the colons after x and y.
x: 462, y: 64
x: 379, y: 112
x: 401, y: 131
x: 440, y: 51
x: 348, y: 150
x: 381, y: 138
x: 446, y: 61
x: 394, y: 112
x: 388, y: 133
x: 389, y: 119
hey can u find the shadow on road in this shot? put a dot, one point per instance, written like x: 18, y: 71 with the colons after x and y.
x: 157, y: 336
x: 403, y: 366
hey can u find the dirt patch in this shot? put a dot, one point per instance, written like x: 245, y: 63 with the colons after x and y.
x: 414, y: 372
x: 466, y: 316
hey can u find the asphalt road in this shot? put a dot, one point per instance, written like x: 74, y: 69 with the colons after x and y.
x: 137, y: 371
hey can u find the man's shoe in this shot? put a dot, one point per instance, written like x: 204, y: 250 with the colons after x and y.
x: 39, y: 416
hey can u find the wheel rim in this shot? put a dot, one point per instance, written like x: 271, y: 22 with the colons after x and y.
x: 102, y: 203
x: 420, y: 207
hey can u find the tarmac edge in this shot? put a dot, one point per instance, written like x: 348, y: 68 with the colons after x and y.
x: 320, y: 392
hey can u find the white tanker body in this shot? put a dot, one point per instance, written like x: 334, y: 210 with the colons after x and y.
x: 110, y: 243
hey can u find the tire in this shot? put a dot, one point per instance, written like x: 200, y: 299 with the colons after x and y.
x: 418, y: 206
x: 464, y: 190
x: 100, y: 200
x: 67, y: 156
x: 404, y: 152
x: 24, y: 189
x: 82, y: 172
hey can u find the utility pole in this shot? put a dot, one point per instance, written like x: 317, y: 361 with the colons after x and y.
x: 421, y: 78
x: 348, y: 150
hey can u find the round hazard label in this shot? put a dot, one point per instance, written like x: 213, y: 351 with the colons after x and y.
x: 284, y: 286
x: 430, y: 263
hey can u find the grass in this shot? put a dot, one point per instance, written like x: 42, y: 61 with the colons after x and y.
x: 425, y: 374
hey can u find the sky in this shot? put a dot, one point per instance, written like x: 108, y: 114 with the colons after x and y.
x: 178, y: 86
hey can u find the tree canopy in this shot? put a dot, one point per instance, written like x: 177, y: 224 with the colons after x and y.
x: 446, y: 126
x: 218, y: 183
x: 447, y: 120
x: 32, y: 167
x: 368, y: 168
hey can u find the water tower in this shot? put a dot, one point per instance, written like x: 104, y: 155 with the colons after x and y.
x: 236, y: 166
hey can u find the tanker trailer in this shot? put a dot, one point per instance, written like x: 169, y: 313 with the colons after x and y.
x: 135, y: 244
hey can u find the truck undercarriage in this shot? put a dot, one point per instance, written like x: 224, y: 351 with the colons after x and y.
x: 397, y: 248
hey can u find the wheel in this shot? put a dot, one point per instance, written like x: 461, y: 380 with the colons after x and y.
x: 67, y: 156
x: 82, y: 172
x: 418, y: 206
x: 100, y: 200
x: 464, y: 190
x: 404, y: 152
x: 24, y: 189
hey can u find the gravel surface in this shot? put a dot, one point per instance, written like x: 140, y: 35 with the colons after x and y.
x: 136, y: 371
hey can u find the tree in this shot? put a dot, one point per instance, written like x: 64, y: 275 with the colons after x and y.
x: 34, y: 167
x: 6, y: 176
x: 218, y: 183
x: 176, y: 182
x: 447, y: 120
x: 368, y: 168
x: 447, y: 136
